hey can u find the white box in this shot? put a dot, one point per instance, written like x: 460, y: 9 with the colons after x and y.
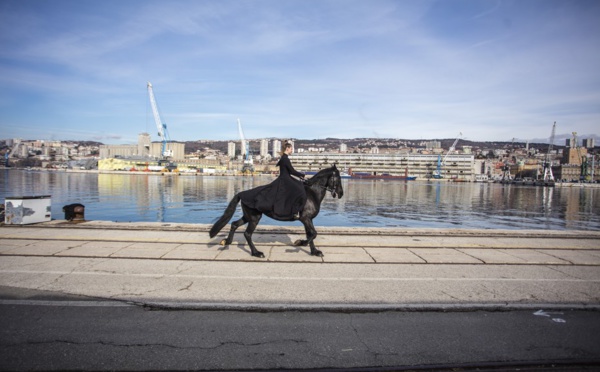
x: 23, y: 210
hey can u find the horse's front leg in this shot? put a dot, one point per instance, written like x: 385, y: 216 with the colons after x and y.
x: 311, y: 234
x: 303, y: 242
x: 252, y: 223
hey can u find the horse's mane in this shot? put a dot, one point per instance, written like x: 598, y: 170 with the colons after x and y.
x: 320, y: 174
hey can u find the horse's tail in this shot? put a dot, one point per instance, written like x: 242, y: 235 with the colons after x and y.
x: 229, y: 211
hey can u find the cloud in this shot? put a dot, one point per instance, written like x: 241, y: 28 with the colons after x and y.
x: 349, y: 68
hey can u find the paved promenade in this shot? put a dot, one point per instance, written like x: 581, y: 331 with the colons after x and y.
x: 178, y: 265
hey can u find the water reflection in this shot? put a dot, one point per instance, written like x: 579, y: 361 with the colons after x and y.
x: 366, y: 203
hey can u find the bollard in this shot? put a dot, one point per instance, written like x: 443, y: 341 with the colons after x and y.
x: 74, y: 212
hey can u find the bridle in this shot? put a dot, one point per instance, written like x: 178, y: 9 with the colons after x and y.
x: 327, y: 187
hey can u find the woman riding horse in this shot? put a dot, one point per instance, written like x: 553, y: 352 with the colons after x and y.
x: 282, y: 199
x: 326, y: 180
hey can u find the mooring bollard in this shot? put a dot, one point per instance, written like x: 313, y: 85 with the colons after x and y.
x: 74, y: 212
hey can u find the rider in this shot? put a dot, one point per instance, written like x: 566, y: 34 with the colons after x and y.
x: 293, y: 192
x: 284, y: 198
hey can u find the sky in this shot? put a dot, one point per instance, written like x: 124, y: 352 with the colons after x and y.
x: 492, y: 70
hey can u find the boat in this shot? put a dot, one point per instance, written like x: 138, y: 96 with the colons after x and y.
x: 381, y: 176
x: 542, y: 182
x: 345, y: 175
x: 528, y: 181
x: 482, y: 178
x: 342, y: 174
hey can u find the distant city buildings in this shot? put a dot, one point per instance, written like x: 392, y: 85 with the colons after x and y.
x: 589, y: 143
x: 143, y: 149
x: 432, y: 145
x: 397, y: 157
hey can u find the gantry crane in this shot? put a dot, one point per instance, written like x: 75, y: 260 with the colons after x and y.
x: 163, y: 134
x: 441, y: 163
x: 248, y: 166
x: 548, y: 176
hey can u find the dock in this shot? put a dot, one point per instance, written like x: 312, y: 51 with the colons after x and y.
x: 368, y: 269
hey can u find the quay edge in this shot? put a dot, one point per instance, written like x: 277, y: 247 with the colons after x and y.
x: 322, y: 230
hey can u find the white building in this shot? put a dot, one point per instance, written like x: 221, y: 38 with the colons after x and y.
x: 231, y: 150
x: 343, y: 147
x: 458, y: 166
x: 276, y: 148
x: 264, y: 148
x: 144, y: 144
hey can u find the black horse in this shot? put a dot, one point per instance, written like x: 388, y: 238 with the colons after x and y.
x: 316, y: 187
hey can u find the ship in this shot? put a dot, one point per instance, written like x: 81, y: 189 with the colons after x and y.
x: 380, y: 176
x: 342, y: 174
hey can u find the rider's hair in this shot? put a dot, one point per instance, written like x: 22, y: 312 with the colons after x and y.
x: 285, y: 146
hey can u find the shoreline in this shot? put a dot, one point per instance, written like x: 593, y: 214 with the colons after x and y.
x: 198, y: 174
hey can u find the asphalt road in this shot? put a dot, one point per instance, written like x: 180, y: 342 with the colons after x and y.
x: 49, y: 331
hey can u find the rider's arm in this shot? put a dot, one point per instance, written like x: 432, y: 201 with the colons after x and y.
x: 288, y: 164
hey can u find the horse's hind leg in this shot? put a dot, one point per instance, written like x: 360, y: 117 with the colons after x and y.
x: 234, y: 226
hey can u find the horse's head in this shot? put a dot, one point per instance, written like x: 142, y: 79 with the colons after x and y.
x: 334, y: 183
x: 328, y: 179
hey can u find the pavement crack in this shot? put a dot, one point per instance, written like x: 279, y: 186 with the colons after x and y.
x: 183, y: 266
x: 166, y: 345
x: 187, y: 288
x: 369, y: 254
x: 492, y: 291
x: 557, y: 269
x: 547, y: 252
x: 359, y: 337
x: 470, y: 255
x: 449, y: 295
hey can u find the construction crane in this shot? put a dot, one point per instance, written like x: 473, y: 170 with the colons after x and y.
x: 248, y: 166
x: 441, y: 163
x: 548, y: 176
x: 165, y: 153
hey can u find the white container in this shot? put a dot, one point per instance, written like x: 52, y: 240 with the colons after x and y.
x: 24, y: 210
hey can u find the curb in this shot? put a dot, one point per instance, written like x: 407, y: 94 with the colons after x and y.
x: 362, y: 308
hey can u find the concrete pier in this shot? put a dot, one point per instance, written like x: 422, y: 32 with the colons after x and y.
x: 179, y: 266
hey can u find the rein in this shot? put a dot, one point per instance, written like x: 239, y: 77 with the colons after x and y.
x: 330, y: 189
x: 321, y: 186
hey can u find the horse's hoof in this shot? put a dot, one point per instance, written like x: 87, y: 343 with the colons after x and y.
x: 223, y: 242
x: 317, y: 253
x: 258, y: 254
x: 298, y: 242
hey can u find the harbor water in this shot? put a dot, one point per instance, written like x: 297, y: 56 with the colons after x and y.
x: 366, y: 203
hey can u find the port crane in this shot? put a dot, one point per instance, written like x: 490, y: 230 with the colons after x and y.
x: 163, y: 134
x: 548, y: 176
x: 441, y: 163
x: 248, y: 166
